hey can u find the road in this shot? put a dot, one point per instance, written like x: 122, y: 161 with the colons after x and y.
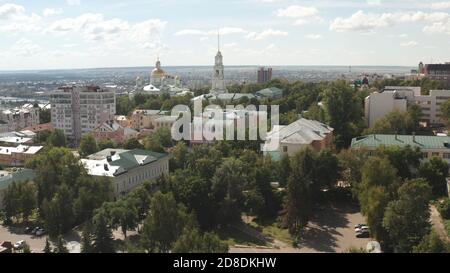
x: 332, y: 230
x: 438, y: 225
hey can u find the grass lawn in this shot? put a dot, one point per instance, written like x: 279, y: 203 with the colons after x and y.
x: 232, y: 237
x: 271, y: 229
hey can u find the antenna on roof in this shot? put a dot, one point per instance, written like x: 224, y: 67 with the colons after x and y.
x: 218, y: 40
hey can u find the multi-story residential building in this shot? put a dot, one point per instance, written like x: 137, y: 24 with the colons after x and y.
x: 264, y: 75
x: 300, y: 134
x: 379, y: 104
x: 18, y: 119
x: 79, y: 110
x: 430, y: 145
x: 439, y: 72
x: 127, y: 169
x: 111, y: 130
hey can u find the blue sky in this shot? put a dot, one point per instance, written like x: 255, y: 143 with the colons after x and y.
x: 50, y: 34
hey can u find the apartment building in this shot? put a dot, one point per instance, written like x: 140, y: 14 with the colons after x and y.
x: 78, y: 110
x: 19, y: 118
x: 379, y: 104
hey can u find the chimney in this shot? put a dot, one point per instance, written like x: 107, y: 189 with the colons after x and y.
x: 106, y: 167
x: 109, y: 159
x: 414, y: 137
x: 396, y: 135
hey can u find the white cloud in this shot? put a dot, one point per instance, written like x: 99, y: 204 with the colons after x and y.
x: 409, y: 44
x: 297, y: 12
x: 374, y: 2
x: 441, y: 5
x: 361, y: 21
x: 265, y: 34
x: 8, y: 11
x: 222, y: 31
x: 300, y: 22
x: 24, y: 48
x: 73, y: 2
x: 438, y: 27
x: 51, y: 11
x: 314, y: 36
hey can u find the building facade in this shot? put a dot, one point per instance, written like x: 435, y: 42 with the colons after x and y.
x: 290, y: 139
x: 218, y: 79
x: 111, y: 130
x: 127, y: 169
x: 79, y: 110
x: 439, y: 72
x: 379, y: 104
x: 264, y: 74
x: 430, y: 146
x: 19, y: 118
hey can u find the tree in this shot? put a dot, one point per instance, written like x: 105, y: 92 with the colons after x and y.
x: 86, y: 240
x: 61, y: 246
x: 192, y: 241
x: 284, y: 170
x: 58, y: 213
x: 444, y: 208
x: 124, y: 106
x: 105, y: 144
x: 227, y: 187
x: 132, y: 144
x: 435, y: 171
x: 343, y: 111
x: 407, y: 219
x: 326, y: 169
x: 57, y: 138
x: 47, y: 248
x: 103, y: 241
x: 163, y: 135
x: 406, y: 160
x: 164, y: 223
x: 153, y: 144
x: 179, y: 156
x: 431, y: 243
x: 45, y: 116
x: 28, y: 199
x: 88, y: 145
x: 124, y: 215
x: 445, y: 112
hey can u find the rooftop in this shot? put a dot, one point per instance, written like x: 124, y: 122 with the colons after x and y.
x: 22, y: 175
x: 114, y: 162
x: 423, y: 142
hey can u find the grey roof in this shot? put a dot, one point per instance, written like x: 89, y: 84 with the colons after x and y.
x: 21, y: 175
x: 423, y: 142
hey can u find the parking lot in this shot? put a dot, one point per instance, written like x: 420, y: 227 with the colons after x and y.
x: 331, y: 230
x: 36, y: 244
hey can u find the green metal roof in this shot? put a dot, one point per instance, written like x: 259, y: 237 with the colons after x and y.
x: 423, y: 142
x: 18, y: 176
x: 128, y: 160
x: 271, y: 91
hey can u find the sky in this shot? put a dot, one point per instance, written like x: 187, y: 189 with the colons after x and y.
x: 65, y: 34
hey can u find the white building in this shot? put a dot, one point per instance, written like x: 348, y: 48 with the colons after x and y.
x: 79, y: 110
x: 218, y: 79
x: 300, y: 134
x: 127, y: 169
x: 19, y: 118
x: 379, y: 104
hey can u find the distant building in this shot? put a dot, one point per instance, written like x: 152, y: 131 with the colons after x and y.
x: 218, y: 79
x: 379, y: 104
x: 8, y: 177
x: 430, y: 145
x: 17, y: 155
x: 270, y: 93
x: 40, y: 128
x: 79, y: 110
x: 439, y: 72
x: 144, y: 119
x: 111, y: 130
x: 127, y: 169
x: 19, y: 118
x: 300, y: 134
x: 264, y: 75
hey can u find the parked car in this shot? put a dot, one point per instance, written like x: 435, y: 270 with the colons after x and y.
x: 40, y: 232
x: 28, y: 230
x: 363, y: 234
x: 34, y: 230
x: 19, y: 244
x: 361, y: 228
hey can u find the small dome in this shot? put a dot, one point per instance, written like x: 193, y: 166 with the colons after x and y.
x: 158, y: 73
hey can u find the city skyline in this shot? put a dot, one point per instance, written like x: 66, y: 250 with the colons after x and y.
x: 68, y: 34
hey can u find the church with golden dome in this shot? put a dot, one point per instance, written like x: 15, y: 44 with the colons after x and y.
x: 160, y: 82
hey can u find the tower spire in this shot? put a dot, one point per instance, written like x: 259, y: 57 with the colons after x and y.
x: 218, y: 40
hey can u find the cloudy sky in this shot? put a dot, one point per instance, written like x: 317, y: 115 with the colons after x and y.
x: 48, y: 34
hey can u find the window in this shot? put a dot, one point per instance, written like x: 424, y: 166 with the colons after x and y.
x: 446, y: 155
x: 435, y: 154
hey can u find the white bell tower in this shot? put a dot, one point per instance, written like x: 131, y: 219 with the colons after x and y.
x: 218, y: 79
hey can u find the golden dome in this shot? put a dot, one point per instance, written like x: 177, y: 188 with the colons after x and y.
x: 158, y: 72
